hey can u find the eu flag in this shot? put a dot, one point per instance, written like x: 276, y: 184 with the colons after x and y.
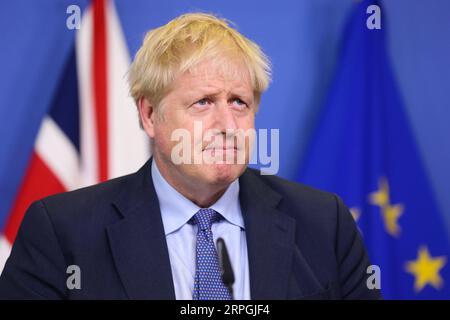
x: 363, y: 149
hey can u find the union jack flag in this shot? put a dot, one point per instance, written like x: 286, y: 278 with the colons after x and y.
x: 90, y: 133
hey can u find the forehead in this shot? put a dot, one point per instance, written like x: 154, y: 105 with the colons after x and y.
x: 223, y: 73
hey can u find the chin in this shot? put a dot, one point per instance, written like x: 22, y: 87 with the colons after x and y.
x: 224, y: 174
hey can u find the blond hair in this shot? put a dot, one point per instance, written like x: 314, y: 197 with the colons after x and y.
x: 182, y: 44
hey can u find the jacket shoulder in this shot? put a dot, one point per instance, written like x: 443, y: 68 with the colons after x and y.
x: 297, y: 193
x: 80, y: 200
x: 317, y: 213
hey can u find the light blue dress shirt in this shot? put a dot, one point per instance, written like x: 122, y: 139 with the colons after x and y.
x: 176, y: 211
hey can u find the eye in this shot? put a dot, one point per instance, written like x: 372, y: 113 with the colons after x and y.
x: 239, y: 103
x: 203, y: 102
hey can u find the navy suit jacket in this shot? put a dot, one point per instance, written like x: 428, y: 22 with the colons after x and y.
x: 302, y: 243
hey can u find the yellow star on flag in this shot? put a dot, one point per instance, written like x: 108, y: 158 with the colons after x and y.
x: 426, y: 269
x: 391, y: 213
x: 381, y: 197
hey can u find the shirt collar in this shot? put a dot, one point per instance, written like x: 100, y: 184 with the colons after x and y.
x: 177, y: 210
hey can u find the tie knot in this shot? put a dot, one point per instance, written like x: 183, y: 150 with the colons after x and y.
x: 204, y: 218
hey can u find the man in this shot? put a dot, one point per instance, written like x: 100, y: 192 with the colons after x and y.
x: 152, y: 234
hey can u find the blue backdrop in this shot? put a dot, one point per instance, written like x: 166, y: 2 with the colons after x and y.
x: 302, y: 39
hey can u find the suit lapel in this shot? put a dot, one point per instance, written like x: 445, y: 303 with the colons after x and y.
x: 274, y: 257
x: 270, y: 238
x: 138, y: 241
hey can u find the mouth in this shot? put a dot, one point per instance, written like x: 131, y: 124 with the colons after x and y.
x: 221, y: 148
x: 224, y: 155
x: 220, y: 151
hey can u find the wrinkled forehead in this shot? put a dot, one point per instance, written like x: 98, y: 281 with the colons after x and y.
x: 231, y: 71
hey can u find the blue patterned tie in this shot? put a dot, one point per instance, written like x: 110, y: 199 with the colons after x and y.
x: 208, y: 284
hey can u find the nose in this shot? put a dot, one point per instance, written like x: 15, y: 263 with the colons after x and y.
x: 224, y: 117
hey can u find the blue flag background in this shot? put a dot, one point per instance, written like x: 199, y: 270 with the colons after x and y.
x: 363, y: 150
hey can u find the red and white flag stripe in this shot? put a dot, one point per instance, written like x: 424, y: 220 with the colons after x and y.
x: 111, y: 142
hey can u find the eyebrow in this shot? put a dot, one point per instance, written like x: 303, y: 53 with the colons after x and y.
x: 213, y: 93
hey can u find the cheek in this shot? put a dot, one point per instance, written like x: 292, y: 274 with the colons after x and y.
x: 172, y: 127
x: 163, y: 135
x: 247, y: 122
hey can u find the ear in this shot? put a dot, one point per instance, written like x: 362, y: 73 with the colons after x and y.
x: 147, y: 116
